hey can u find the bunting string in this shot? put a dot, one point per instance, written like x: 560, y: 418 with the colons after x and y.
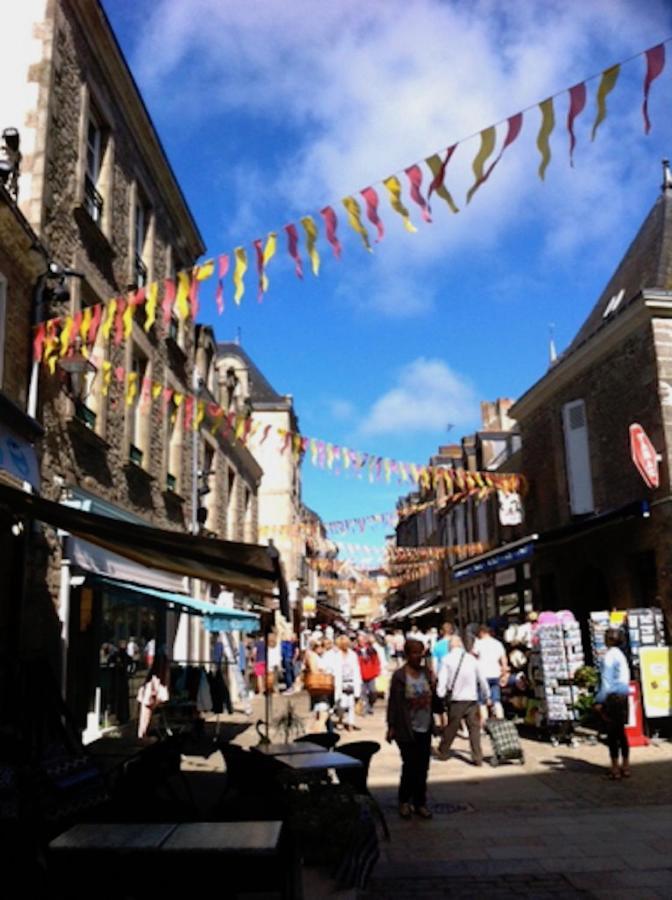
x: 181, y: 295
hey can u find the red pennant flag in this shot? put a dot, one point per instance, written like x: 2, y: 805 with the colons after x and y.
x: 293, y: 248
x: 96, y: 317
x: 371, y: 198
x: 330, y: 225
x: 38, y: 341
x: 260, y: 268
x: 119, y: 321
x: 655, y: 63
x: 577, y: 102
x: 223, y: 265
x: 515, y: 124
x: 188, y: 412
x: 265, y: 434
x: 414, y: 175
x: 120, y: 374
x: 437, y: 182
x: 193, y: 294
x: 168, y: 300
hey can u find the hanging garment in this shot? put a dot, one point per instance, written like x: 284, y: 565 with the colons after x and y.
x: 204, y: 697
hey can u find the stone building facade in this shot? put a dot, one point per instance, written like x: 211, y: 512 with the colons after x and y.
x: 99, y: 192
x: 605, y: 538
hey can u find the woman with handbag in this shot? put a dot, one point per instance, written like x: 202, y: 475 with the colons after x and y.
x: 611, y: 702
x: 409, y: 723
x: 318, y: 680
x: 347, y: 682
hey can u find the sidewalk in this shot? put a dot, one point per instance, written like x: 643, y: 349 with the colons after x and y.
x: 554, y: 827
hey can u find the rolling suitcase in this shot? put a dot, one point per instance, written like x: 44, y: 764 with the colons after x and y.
x: 505, y: 741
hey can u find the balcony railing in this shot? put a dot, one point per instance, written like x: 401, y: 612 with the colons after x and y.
x: 93, y: 201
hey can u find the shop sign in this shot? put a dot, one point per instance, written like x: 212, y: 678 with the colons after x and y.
x: 644, y: 455
x: 18, y: 457
x: 510, y: 508
x: 656, y: 675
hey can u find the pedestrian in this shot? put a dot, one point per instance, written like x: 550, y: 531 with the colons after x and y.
x: 347, y: 682
x: 369, y: 668
x: 317, y: 670
x: 442, y: 646
x: 289, y: 649
x: 461, y: 683
x: 409, y: 723
x: 259, y: 659
x: 494, y: 665
x: 611, y: 702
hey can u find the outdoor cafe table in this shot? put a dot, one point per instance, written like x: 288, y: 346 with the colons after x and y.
x: 312, y: 763
x: 288, y: 749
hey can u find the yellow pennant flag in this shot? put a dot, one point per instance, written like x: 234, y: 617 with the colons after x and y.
x: 178, y: 398
x: 109, y: 319
x: 488, y: 138
x: 355, y: 220
x: 269, y: 253
x: 393, y: 186
x: 87, y: 315
x: 435, y: 166
x: 240, y: 427
x: 157, y: 389
x: 128, y: 318
x: 313, y: 451
x: 547, y: 126
x: 131, y: 387
x: 107, y: 376
x: 182, y: 299
x: 205, y: 270
x: 330, y: 456
x: 345, y: 455
x: 310, y: 228
x: 150, y: 304
x: 607, y: 84
x: 200, y: 414
x: 239, y: 272
x: 66, y: 332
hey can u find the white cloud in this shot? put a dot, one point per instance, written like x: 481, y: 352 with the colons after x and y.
x: 427, y: 396
x: 361, y: 90
x: 341, y: 410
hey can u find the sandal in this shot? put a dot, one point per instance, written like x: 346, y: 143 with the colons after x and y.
x: 613, y: 776
x: 405, y: 810
x: 423, y: 812
x: 625, y: 772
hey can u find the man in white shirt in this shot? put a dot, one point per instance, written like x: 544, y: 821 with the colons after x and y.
x: 460, y: 678
x: 494, y: 667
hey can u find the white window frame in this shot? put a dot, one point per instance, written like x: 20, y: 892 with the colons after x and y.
x: 577, y: 460
x: 95, y: 149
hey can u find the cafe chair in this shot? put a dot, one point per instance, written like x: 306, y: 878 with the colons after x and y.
x: 325, y: 739
x: 358, y: 778
x: 253, y: 779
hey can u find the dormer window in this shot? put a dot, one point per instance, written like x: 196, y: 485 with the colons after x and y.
x: 613, y: 304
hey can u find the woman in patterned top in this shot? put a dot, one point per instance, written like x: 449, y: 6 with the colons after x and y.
x: 409, y: 723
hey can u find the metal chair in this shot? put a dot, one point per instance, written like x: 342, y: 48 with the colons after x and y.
x: 358, y: 778
x: 326, y: 739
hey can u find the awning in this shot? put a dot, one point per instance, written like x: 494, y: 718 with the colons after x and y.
x: 501, y: 558
x: 250, y: 567
x: 91, y: 558
x: 215, y: 618
x: 407, y: 610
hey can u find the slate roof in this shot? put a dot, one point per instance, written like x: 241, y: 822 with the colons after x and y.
x: 647, y: 264
x: 261, y: 390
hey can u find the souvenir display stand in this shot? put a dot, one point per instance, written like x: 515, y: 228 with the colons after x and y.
x: 555, y: 658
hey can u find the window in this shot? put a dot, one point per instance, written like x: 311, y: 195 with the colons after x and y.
x: 141, y: 226
x: 577, y: 458
x: 174, y: 444
x: 3, y: 315
x: 93, y: 200
x: 138, y: 420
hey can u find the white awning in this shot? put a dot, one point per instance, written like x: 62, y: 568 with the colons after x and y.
x: 407, y: 610
x: 95, y: 559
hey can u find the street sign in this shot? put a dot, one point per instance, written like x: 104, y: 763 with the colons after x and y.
x: 644, y: 455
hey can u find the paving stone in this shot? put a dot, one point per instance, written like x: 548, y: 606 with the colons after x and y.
x: 584, y: 864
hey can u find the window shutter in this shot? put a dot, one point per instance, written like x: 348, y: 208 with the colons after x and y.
x: 577, y: 458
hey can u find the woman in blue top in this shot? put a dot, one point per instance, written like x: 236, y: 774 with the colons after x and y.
x: 611, y: 702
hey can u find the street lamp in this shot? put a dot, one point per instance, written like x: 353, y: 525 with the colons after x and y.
x: 73, y: 370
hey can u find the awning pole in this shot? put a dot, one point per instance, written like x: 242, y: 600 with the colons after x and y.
x: 64, y: 616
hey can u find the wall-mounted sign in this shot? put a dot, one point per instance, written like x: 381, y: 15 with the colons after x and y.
x: 18, y: 457
x: 644, y: 455
x: 510, y: 508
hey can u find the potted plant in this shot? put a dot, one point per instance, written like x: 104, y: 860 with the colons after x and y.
x: 289, y: 724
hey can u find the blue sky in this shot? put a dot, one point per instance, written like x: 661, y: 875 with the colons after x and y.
x: 271, y: 110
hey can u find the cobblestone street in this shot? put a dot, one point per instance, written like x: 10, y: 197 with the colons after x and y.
x: 555, y: 827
